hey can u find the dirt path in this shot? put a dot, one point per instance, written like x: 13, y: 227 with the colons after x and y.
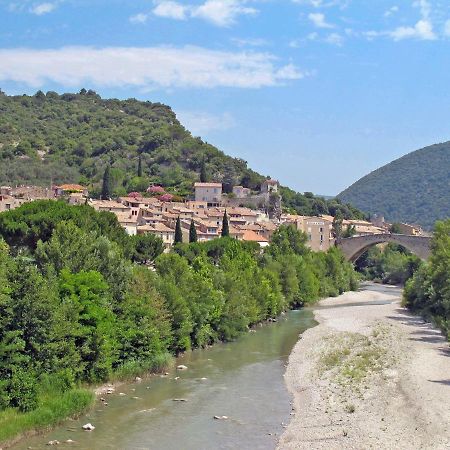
x: 369, y: 376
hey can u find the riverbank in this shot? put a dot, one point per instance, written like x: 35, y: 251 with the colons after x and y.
x: 56, y: 404
x: 370, y: 375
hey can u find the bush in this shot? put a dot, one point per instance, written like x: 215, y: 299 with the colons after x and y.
x: 23, y: 391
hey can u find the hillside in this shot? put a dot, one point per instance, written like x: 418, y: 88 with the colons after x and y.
x: 414, y: 188
x: 51, y: 138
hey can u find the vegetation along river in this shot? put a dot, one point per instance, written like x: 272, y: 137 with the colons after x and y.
x: 242, y: 380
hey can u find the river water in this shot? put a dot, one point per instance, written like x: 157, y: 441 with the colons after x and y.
x: 242, y: 380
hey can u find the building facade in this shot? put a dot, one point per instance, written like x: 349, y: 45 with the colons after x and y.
x: 211, y: 193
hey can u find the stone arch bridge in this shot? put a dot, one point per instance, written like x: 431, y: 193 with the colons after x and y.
x: 355, y: 246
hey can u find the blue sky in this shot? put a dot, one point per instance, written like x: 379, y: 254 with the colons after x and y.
x: 316, y: 93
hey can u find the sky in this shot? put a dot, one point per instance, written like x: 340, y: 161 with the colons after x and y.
x: 315, y: 93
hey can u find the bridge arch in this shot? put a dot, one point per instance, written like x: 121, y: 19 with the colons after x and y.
x: 355, y: 246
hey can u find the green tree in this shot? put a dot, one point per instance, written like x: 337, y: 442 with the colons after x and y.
x: 107, y: 187
x: 395, y: 228
x: 203, y: 173
x: 192, y: 232
x: 139, y: 171
x: 94, y: 323
x: 225, y: 225
x: 337, y: 225
x: 349, y: 231
x: 146, y: 248
x: 287, y: 240
x: 178, y: 232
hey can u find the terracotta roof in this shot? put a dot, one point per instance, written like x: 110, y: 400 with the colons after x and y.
x: 107, y: 204
x: 250, y: 235
x: 123, y: 217
x: 71, y: 187
x: 207, y: 184
x: 155, y: 228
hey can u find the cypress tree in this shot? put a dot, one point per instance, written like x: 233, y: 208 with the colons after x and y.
x: 107, y: 184
x: 139, y: 172
x: 225, y: 225
x: 337, y: 225
x: 203, y: 174
x: 178, y: 232
x: 192, y: 232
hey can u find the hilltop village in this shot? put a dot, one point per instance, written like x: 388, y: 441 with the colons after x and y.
x: 252, y: 217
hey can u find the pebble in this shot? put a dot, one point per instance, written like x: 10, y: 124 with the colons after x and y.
x: 181, y: 367
x: 54, y: 442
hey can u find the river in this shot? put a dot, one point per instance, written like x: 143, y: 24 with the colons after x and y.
x: 242, y: 380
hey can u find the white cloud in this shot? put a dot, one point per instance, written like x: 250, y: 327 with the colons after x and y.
x: 425, y: 8
x: 342, y: 4
x: 422, y: 30
x: 147, y: 68
x: 318, y: 19
x: 139, y: 18
x: 250, y: 42
x: 447, y: 28
x: 200, y: 122
x: 334, y: 39
x: 222, y: 13
x: 391, y: 11
x: 43, y: 8
x: 171, y: 10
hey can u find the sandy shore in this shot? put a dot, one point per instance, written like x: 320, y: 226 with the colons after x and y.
x: 369, y: 376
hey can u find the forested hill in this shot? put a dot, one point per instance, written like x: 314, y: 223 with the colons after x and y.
x: 414, y: 188
x: 55, y: 138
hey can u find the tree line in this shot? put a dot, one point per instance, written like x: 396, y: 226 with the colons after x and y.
x: 80, y: 304
x: 428, y: 290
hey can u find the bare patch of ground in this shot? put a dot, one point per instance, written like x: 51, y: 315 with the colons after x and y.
x: 369, y: 376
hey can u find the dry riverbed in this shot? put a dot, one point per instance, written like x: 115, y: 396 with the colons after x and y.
x: 369, y: 376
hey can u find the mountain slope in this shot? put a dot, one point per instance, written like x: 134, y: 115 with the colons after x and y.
x: 51, y: 138
x: 414, y: 188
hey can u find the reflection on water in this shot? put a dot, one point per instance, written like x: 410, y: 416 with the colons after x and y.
x: 242, y: 380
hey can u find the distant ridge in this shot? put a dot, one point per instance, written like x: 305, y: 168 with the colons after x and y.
x: 71, y: 138
x: 414, y: 188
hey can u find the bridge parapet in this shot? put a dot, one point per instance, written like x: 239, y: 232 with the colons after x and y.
x: 355, y: 246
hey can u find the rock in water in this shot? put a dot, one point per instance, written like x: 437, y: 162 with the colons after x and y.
x: 221, y: 417
x: 88, y: 427
x: 181, y: 367
x: 54, y: 442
